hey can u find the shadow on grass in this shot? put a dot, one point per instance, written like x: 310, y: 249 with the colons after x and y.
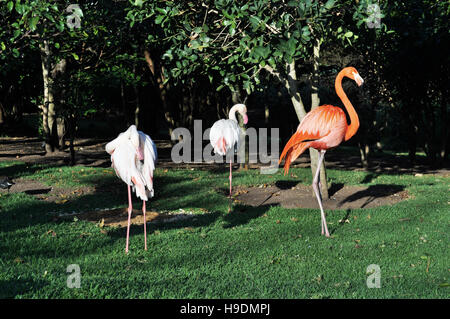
x: 342, y: 221
x: 19, y: 169
x: 109, y: 191
x: 197, y: 220
x: 242, y: 214
x: 12, y: 288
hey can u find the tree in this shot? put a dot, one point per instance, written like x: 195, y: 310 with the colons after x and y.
x: 235, y: 43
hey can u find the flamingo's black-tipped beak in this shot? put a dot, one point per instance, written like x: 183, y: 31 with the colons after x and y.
x: 358, y: 79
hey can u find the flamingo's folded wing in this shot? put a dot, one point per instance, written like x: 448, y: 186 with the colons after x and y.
x: 150, y: 158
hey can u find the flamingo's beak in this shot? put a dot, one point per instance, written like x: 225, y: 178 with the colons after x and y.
x: 245, y: 118
x: 358, y: 79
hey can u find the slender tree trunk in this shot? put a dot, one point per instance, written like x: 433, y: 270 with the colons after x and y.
x: 58, y: 75
x: 444, y: 128
x: 315, y: 101
x: 2, y: 114
x: 364, y: 150
x: 291, y: 84
x: 48, y: 108
x: 158, y: 78
x: 138, y: 106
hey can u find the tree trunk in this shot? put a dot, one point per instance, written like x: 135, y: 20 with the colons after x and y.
x: 2, y: 114
x: 293, y: 90
x: 48, y: 108
x: 138, y: 106
x: 236, y: 99
x: 444, y: 129
x: 158, y: 78
x: 315, y: 101
x: 364, y: 150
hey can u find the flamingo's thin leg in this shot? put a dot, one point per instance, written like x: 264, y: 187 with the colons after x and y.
x: 130, y: 208
x: 317, y: 192
x: 230, y: 178
x: 145, y: 224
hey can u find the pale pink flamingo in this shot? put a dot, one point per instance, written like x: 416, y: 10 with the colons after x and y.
x: 133, y: 157
x: 226, y: 134
x: 324, y: 128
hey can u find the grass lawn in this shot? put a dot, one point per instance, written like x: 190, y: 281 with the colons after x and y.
x: 263, y: 252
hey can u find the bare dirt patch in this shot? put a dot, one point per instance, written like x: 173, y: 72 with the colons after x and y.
x: 291, y: 195
x: 30, y: 187
x: 41, y: 191
x: 119, y: 217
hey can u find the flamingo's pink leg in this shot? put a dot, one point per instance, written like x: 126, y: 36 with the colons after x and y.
x: 317, y: 192
x: 230, y: 178
x: 145, y: 224
x: 130, y: 208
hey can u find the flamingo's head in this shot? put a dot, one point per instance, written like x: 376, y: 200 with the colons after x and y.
x: 354, y: 75
x: 133, y: 136
x: 242, y: 109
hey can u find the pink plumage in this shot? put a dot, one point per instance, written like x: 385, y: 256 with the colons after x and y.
x: 323, y: 128
x: 226, y: 134
x: 133, y: 157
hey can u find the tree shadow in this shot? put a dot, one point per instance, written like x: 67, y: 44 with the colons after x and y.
x: 242, y: 214
x: 334, y: 188
x: 38, y: 191
x: 286, y: 184
x: 12, y: 288
x: 194, y: 221
x: 373, y: 192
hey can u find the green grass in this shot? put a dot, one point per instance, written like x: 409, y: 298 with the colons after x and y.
x: 251, y: 253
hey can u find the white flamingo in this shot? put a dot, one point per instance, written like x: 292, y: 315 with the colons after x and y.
x: 133, y: 157
x: 226, y: 134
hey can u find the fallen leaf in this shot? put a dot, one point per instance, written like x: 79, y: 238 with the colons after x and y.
x: 51, y: 232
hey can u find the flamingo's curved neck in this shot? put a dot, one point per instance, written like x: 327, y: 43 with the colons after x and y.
x: 232, y: 113
x: 354, y: 120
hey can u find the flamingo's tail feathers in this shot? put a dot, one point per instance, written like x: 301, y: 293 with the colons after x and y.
x: 293, y: 149
x: 221, y: 146
x: 293, y: 153
x: 139, y: 188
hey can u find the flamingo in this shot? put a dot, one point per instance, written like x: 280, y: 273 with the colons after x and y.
x: 133, y: 157
x: 324, y: 128
x: 225, y: 135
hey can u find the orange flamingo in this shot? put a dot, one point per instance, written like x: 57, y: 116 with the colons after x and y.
x: 324, y: 128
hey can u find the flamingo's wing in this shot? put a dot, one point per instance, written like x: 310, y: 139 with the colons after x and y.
x: 124, y: 162
x: 316, y: 125
x: 224, y: 135
x: 150, y: 158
